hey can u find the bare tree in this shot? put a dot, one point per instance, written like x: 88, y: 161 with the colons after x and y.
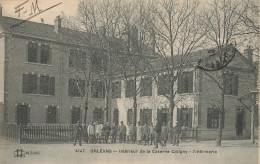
x: 223, y: 21
x: 175, y: 33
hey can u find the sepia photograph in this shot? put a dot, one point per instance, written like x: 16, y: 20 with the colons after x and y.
x: 129, y: 81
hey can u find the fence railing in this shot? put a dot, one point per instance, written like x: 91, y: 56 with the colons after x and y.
x: 10, y: 132
x: 57, y: 133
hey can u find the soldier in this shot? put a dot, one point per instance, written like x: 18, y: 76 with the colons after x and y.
x: 164, y: 133
x: 106, y: 130
x: 78, y: 133
x: 177, y: 131
x: 122, y: 132
x: 91, y: 133
x: 158, y: 130
x: 114, y: 133
x: 151, y: 135
x: 146, y: 132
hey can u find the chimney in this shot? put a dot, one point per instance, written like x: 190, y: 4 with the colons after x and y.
x: 249, y: 54
x: 42, y: 20
x: 102, y: 30
x: 57, y: 24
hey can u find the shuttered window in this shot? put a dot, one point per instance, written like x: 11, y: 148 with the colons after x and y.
x: 185, y: 82
x: 98, y: 115
x: 116, y: 89
x: 230, y: 84
x: 184, y: 116
x: 75, y: 115
x: 213, y: 118
x: 130, y: 116
x: 146, y: 86
x: 76, y: 88
x: 130, y: 88
x: 116, y: 116
x: 145, y: 116
x: 51, y: 116
x: 97, y: 89
x: 164, y: 85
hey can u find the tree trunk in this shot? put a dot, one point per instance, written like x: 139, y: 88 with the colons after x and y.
x: 86, y: 108
x: 220, y: 121
x: 172, y: 105
x: 135, y: 110
x: 106, y: 108
x: 252, y: 141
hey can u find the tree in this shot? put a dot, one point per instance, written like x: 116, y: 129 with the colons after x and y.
x: 175, y: 33
x: 223, y: 21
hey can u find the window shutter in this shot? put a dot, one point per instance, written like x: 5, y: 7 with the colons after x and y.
x: 190, y: 118
x: 50, y: 55
x: 149, y: 116
x: 141, y: 116
x: 209, y: 119
x: 190, y: 82
x: 25, y: 83
x: 180, y: 84
x: 179, y: 115
x: 235, y: 89
x: 52, y: 86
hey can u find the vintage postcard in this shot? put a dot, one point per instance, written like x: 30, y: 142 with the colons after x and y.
x: 129, y: 81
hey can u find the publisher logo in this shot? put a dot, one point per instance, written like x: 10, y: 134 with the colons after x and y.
x: 19, y: 153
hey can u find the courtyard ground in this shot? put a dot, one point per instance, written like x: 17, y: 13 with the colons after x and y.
x: 231, y: 152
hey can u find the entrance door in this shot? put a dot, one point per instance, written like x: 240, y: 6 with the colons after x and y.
x: 22, y: 114
x: 239, y: 123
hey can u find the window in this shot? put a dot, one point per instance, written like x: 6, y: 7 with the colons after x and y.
x: 116, y: 116
x: 98, y: 115
x: 23, y: 114
x: 130, y: 91
x: 43, y: 56
x: 145, y: 116
x: 146, y: 86
x: 184, y: 116
x: 76, y: 88
x: 130, y: 116
x: 29, y: 83
x: 47, y: 85
x: 75, y: 115
x: 230, y: 84
x: 77, y: 59
x: 51, y: 114
x: 96, y: 62
x: 116, y: 89
x: 185, y: 82
x: 163, y: 85
x: 97, y: 89
x: 213, y: 118
x: 32, y: 52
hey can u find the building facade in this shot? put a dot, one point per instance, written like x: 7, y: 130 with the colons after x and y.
x: 37, y: 62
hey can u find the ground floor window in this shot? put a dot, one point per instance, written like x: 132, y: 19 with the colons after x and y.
x: 163, y: 116
x: 22, y: 114
x: 51, y: 114
x: 116, y: 116
x: 75, y: 115
x: 213, y: 118
x: 98, y: 115
x: 145, y: 116
x: 184, y: 116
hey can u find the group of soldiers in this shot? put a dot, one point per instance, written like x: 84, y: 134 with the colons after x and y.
x: 149, y: 134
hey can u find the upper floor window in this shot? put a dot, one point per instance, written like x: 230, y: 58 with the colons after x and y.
x: 146, y: 86
x: 130, y: 91
x: 230, y: 84
x: 116, y: 89
x: 76, y: 88
x: 51, y: 116
x: 163, y: 85
x: 77, y: 59
x: 43, y: 84
x: 99, y: 61
x: 39, y: 54
x: 97, y: 89
x: 185, y: 82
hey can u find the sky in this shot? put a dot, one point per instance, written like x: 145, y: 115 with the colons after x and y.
x: 68, y: 7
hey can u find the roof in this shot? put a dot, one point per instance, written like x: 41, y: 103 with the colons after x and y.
x: 46, y: 31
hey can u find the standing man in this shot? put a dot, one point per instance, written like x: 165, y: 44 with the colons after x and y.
x: 78, y: 133
x: 164, y: 133
x: 139, y: 133
x: 177, y: 131
x: 91, y: 133
x: 114, y: 133
x: 99, y: 128
x: 128, y: 132
x: 158, y: 130
x: 122, y: 132
x: 170, y: 132
x: 106, y: 130
x: 132, y: 132
x: 85, y: 133
x: 146, y: 132
x: 151, y: 135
